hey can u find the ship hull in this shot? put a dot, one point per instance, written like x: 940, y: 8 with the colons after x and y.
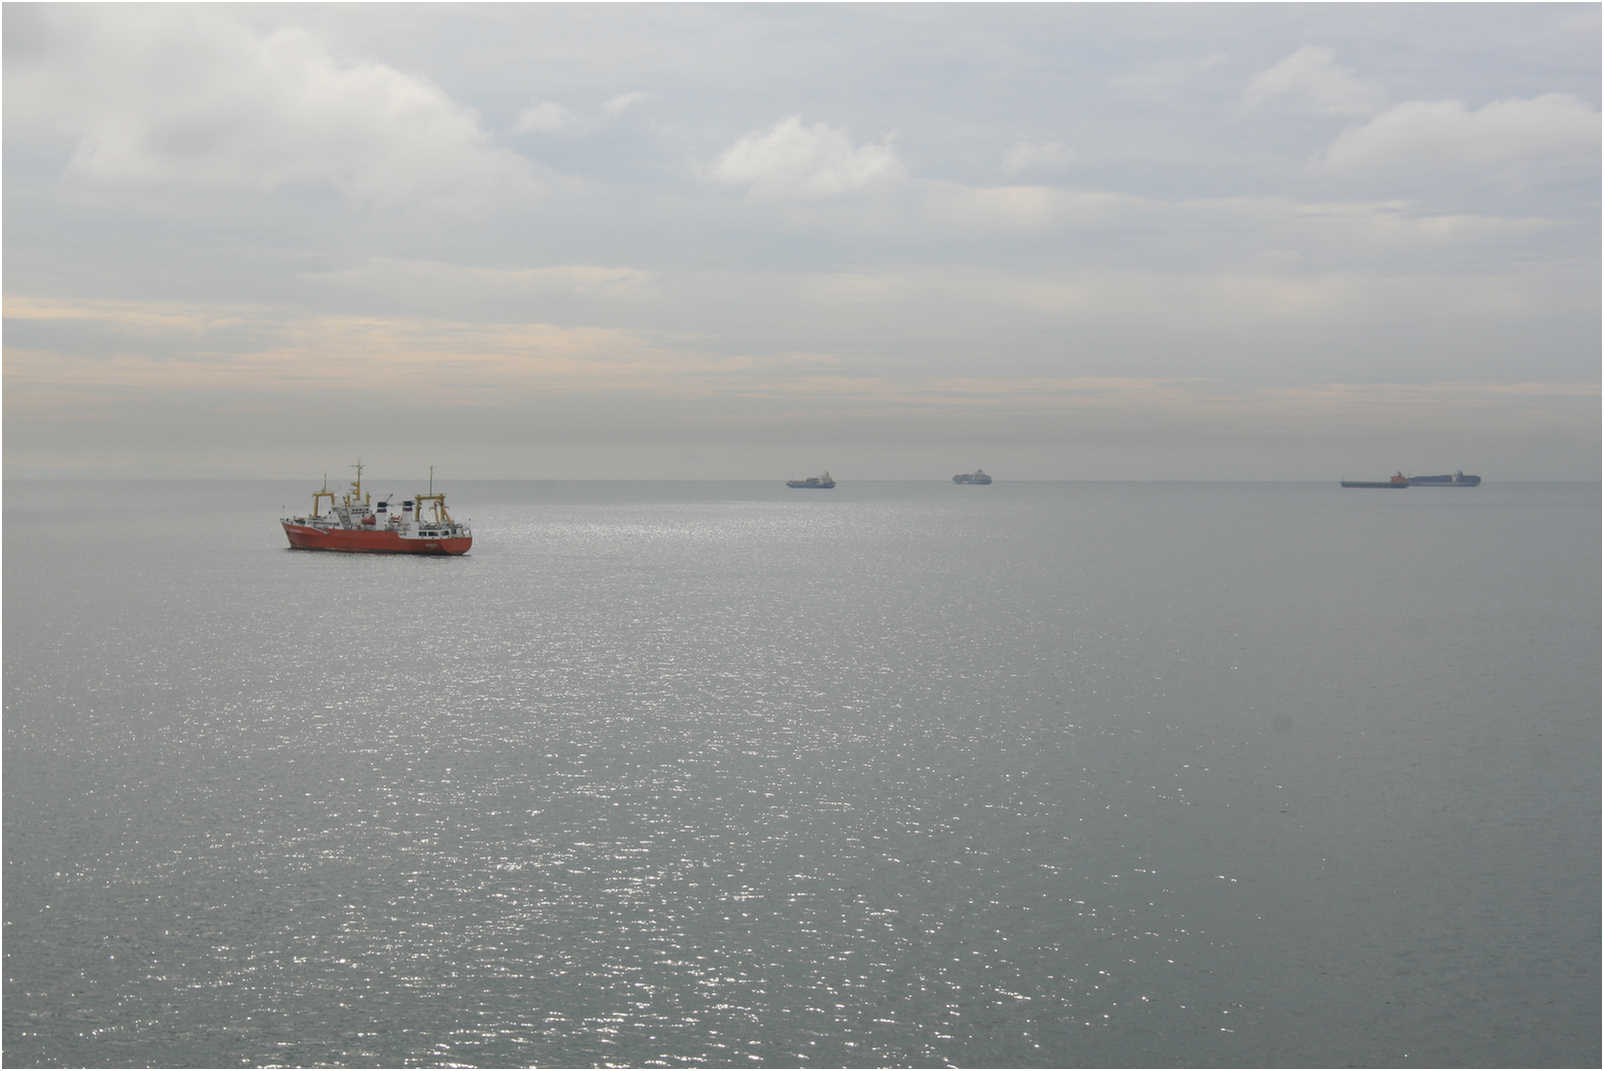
x: 1459, y: 480
x: 1378, y: 485
x: 352, y: 541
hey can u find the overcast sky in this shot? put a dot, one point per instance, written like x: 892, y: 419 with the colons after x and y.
x: 1059, y: 242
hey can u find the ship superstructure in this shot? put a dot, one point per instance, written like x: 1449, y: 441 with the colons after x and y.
x: 356, y: 524
x: 1458, y: 479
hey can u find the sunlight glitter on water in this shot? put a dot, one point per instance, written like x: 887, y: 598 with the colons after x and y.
x: 721, y: 783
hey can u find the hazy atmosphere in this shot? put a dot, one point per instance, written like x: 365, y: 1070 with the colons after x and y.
x: 729, y: 242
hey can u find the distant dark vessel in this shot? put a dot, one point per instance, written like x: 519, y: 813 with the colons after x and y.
x: 1458, y: 479
x: 815, y: 483
x: 971, y: 477
x: 1399, y: 480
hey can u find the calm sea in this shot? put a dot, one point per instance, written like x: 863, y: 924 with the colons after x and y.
x: 661, y: 774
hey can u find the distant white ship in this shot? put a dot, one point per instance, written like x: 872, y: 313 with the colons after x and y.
x: 978, y: 476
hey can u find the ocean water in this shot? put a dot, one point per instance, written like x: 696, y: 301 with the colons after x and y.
x: 901, y: 774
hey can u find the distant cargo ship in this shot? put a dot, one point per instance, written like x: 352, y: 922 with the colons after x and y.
x: 813, y: 483
x: 1399, y: 480
x: 971, y: 477
x: 1458, y: 479
x: 355, y: 525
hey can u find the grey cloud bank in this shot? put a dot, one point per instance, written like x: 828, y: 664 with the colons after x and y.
x: 742, y: 242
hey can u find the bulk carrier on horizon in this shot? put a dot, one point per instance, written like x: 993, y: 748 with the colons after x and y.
x: 1399, y: 480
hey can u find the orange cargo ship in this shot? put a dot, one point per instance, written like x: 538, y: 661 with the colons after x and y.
x: 355, y: 525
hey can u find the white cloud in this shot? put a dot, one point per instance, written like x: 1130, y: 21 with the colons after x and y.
x: 1435, y: 133
x: 624, y: 101
x: 544, y: 117
x: 1258, y: 231
x: 463, y: 284
x: 796, y: 160
x: 1037, y: 156
x: 1311, y: 78
x: 1167, y: 80
x: 549, y: 117
x: 191, y: 99
x: 1015, y: 208
x: 1152, y: 305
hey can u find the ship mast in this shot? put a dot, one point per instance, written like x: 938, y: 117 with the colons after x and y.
x: 320, y: 495
x: 440, y: 514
